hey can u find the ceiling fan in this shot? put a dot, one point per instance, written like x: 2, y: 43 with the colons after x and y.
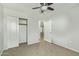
x: 44, y: 7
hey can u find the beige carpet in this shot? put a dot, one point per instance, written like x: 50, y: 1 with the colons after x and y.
x: 39, y: 49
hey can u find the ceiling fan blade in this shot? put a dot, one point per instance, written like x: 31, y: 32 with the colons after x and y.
x: 42, y: 4
x: 35, y: 7
x: 49, y: 8
x: 49, y: 4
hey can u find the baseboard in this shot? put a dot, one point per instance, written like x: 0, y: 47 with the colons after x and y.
x: 33, y: 42
x: 66, y: 47
x: 22, y: 43
x: 48, y: 41
x: 73, y: 49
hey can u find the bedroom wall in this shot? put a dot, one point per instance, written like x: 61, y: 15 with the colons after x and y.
x: 1, y: 29
x: 65, y: 29
x: 65, y: 26
x: 22, y: 12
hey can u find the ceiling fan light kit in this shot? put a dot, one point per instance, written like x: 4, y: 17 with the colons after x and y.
x: 44, y: 8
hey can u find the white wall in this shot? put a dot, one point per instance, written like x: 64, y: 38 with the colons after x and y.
x: 64, y: 17
x: 11, y: 32
x: 1, y: 29
x: 65, y: 26
x: 47, y: 30
x: 27, y: 13
x: 33, y: 32
x: 15, y: 14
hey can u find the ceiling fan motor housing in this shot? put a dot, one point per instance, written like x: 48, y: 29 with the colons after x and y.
x: 44, y: 8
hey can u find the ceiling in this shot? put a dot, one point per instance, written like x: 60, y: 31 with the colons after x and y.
x: 27, y: 8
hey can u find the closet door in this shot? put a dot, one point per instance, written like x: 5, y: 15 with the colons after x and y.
x: 12, y: 32
x: 22, y: 30
x: 22, y: 35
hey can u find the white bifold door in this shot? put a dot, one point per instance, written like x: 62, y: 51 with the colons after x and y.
x: 11, y: 32
x: 47, y: 31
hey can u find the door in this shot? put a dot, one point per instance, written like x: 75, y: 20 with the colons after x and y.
x: 47, y: 31
x: 22, y: 30
x: 12, y: 32
x: 22, y: 34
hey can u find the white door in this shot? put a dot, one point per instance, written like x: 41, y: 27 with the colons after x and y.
x: 22, y: 33
x: 12, y: 32
x: 47, y: 30
x: 22, y: 30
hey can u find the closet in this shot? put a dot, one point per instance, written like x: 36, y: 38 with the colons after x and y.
x: 22, y: 30
x: 15, y: 31
x: 11, y: 32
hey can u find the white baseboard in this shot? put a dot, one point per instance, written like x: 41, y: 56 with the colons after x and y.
x: 66, y: 47
x: 33, y: 42
x: 48, y: 41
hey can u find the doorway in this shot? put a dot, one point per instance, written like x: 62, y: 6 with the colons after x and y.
x: 45, y: 30
x: 23, y: 25
x: 41, y: 31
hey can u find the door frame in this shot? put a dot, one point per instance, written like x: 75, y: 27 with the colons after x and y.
x: 26, y: 28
